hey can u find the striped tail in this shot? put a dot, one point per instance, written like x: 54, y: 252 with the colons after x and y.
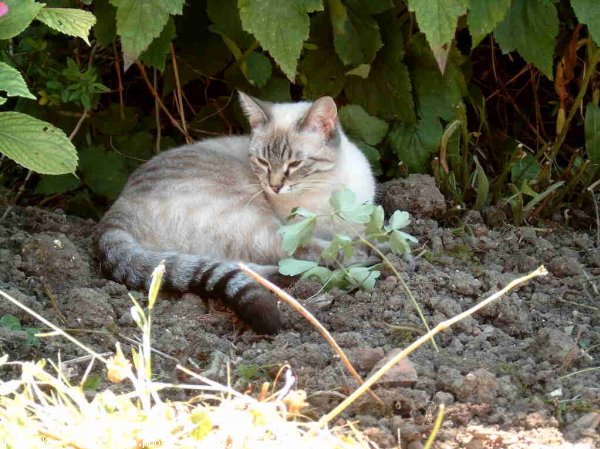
x: 124, y: 260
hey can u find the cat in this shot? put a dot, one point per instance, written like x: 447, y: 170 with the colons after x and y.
x: 207, y: 206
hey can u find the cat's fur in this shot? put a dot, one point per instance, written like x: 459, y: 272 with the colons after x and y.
x: 205, y: 207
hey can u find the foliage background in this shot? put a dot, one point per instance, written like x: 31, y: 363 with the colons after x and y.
x: 499, y: 100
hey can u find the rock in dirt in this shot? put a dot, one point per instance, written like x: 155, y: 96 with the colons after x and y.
x: 364, y: 359
x: 554, y: 345
x: 54, y: 260
x: 87, y: 308
x: 403, y: 374
x: 416, y: 194
x: 478, y: 387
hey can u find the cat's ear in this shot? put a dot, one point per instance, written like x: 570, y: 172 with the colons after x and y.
x: 321, y: 117
x: 257, y: 112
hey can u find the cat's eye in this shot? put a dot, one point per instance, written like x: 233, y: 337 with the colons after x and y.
x: 292, y: 165
x: 263, y: 162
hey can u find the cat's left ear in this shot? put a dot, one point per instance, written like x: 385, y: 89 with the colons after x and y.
x: 321, y: 117
x: 257, y: 112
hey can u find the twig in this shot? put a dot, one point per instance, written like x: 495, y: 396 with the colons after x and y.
x: 156, y: 114
x: 84, y: 115
x: 311, y: 319
x: 541, y: 271
x: 17, y: 196
x: 119, y: 81
x: 179, y: 95
x: 594, y: 59
x: 154, y: 93
x: 586, y: 370
x: 53, y: 326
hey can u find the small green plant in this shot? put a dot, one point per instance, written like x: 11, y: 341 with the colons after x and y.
x: 339, y: 269
x: 13, y: 323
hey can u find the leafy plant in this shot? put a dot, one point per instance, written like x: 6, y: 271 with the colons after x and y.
x: 13, y: 323
x: 36, y: 144
x: 349, y: 215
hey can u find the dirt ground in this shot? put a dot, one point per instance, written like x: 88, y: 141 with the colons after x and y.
x: 512, y: 376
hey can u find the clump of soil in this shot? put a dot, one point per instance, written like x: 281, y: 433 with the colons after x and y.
x: 503, y: 374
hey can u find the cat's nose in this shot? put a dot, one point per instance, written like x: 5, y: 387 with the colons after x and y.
x: 277, y: 188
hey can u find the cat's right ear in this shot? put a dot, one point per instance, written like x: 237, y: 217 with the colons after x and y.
x: 257, y: 112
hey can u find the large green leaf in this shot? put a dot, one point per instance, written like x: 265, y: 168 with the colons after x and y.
x: 484, y: 15
x: 592, y: 133
x: 20, y: 14
x: 323, y: 73
x: 415, y: 144
x: 12, y: 83
x: 530, y: 27
x: 359, y: 125
x: 69, y: 21
x: 588, y: 12
x: 259, y: 69
x: 435, y: 94
x: 356, y: 33
x: 438, y: 18
x: 105, y: 29
x: 226, y: 21
x: 103, y: 172
x: 280, y: 27
x: 156, y: 54
x: 139, y: 22
x: 36, y: 145
x: 386, y: 92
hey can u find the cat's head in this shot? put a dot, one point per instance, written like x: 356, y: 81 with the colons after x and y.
x: 293, y: 146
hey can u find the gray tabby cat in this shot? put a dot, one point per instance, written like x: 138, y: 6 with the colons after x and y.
x: 205, y: 207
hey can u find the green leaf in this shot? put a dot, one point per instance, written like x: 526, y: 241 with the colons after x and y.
x: 226, y: 21
x: 69, y: 21
x: 297, y: 234
x: 302, y: 212
x: 364, y: 277
x: 103, y: 172
x: 588, y: 12
x: 259, y: 69
x: 438, y: 18
x: 53, y: 184
x: 339, y: 243
x: 362, y: 71
x: 324, y: 74
x: 398, y: 220
x: 36, y: 145
x: 415, y: 144
x: 483, y: 185
x: 139, y: 22
x: 105, y: 29
x: 10, y: 322
x: 359, y: 125
x: 436, y: 94
x: 592, y: 133
x: 386, y: 92
x: 356, y: 33
x: 156, y: 54
x: 293, y: 267
x: 399, y: 243
x: 20, y: 14
x: 484, y: 15
x: 531, y: 204
x: 322, y: 274
x: 277, y: 89
x: 530, y: 27
x: 375, y: 224
x: 280, y: 27
x: 345, y: 206
x: 13, y: 83
x: 525, y: 169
